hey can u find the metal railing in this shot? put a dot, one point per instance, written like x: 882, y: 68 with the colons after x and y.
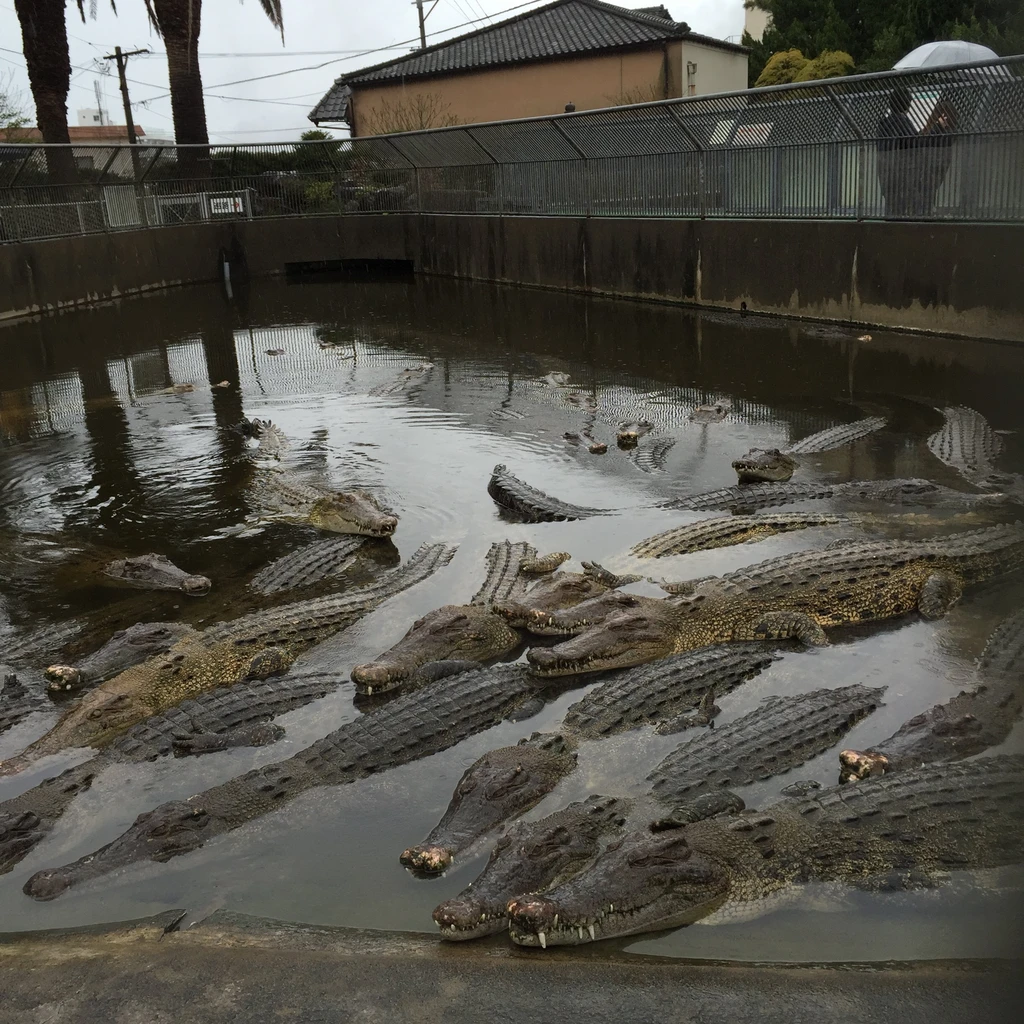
x: 837, y: 149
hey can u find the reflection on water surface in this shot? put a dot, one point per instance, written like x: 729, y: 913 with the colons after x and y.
x: 104, y: 453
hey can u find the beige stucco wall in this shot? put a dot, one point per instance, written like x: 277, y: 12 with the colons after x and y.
x: 530, y: 90
x: 755, y: 21
x: 717, y: 70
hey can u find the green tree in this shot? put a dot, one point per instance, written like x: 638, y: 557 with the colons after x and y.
x: 12, y: 115
x: 782, y: 67
x: 828, y: 64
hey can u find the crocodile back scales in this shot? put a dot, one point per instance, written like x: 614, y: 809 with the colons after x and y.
x: 836, y: 437
x: 310, y: 564
x: 530, y: 504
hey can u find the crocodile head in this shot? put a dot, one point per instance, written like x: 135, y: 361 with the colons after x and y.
x: 639, y: 631
x: 764, y: 465
x: 628, y: 434
x: 171, y: 829
x: 530, y: 857
x: 580, y: 617
x: 563, y: 590
x: 125, y: 648
x: 641, y: 883
x: 855, y: 765
x: 452, y: 632
x: 155, y: 572
x: 352, y: 512
x: 498, y: 786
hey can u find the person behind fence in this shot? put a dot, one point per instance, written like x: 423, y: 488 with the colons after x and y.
x: 897, y: 138
x: 934, y: 155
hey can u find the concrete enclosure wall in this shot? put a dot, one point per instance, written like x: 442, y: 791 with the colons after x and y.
x: 942, y: 278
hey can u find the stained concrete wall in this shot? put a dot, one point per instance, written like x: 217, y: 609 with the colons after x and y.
x: 941, y: 278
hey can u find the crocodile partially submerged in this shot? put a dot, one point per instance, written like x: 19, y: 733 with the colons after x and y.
x: 410, y: 380
x: 281, y: 495
x: 529, y: 505
x: 156, y: 572
x: 16, y: 701
x: 470, y: 632
x: 253, y: 647
x: 651, y: 457
x: 967, y: 444
x: 792, y: 596
x: 694, y: 781
x: 629, y: 433
x: 896, y: 829
x: 713, y: 412
x: 754, y: 497
x: 836, y: 437
x: 412, y: 726
x: 764, y: 465
x: 317, y: 561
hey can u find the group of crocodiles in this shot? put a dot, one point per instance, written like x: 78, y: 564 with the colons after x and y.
x: 907, y: 810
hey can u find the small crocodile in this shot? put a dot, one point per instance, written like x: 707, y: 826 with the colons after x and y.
x: 966, y: 443
x: 790, y: 596
x: 887, y: 831
x: 471, y: 632
x: 764, y: 465
x: 127, y: 647
x: 155, y: 572
x: 412, y: 726
x: 500, y: 785
x: 527, y: 504
x: 628, y: 434
x: 753, y: 497
x: 253, y: 647
x: 715, y: 412
x: 281, y: 495
x: 317, y: 561
x: 233, y: 716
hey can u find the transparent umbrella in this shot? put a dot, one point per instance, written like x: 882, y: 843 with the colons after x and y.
x: 947, y: 51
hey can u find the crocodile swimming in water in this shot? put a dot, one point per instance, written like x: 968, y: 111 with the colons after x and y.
x: 781, y: 734
x: 155, y: 572
x: 412, y: 726
x: 629, y: 433
x: 764, y: 465
x: 470, y: 632
x: 253, y: 647
x: 529, y: 505
x: 790, y: 596
x: 317, y: 561
x: 899, y: 829
x: 967, y: 444
x: 753, y: 497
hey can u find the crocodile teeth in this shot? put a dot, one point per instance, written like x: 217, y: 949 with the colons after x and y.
x: 369, y: 690
x: 580, y: 930
x: 543, y: 940
x: 554, y: 923
x: 590, y: 928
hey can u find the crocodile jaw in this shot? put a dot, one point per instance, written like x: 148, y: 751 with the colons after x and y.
x: 352, y: 512
x: 465, y: 918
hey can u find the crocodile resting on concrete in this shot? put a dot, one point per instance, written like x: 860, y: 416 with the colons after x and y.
x: 281, y: 495
x: 412, y: 726
x: 155, y: 572
x: 781, y: 734
x: 791, y: 596
x: 469, y: 632
x: 253, y: 647
x: 753, y: 497
x: 315, y: 562
x: 883, y: 832
x: 528, y: 505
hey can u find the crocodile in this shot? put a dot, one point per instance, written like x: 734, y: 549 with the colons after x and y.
x: 692, y: 781
x: 651, y: 458
x: 966, y: 443
x: 315, y: 562
x: 764, y: 465
x: 793, y: 595
x: 473, y: 632
x: 891, y: 831
x: 282, y: 496
x: 501, y: 784
x: 272, y: 442
x: 238, y: 715
x: 156, y: 572
x: 410, y: 380
x: 561, y: 590
x: 16, y: 701
x: 724, y: 531
x: 1003, y: 655
x: 526, y: 504
x: 412, y: 726
x: 753, y: 497
x: 836, y: 437
x: 628, y: 434
x: 715, y: 412
x: 127, y: 647
x: 253, y: 647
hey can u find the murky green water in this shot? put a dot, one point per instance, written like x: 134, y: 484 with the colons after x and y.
x: 96, y: 462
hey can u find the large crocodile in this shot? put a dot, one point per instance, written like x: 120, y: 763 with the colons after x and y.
x: 253, y: 647
x: 793, y: 595
x: 753, y: 497
x: 882, y: 832
x: 156, y: 572
x: 781, y: 734
x: 317, y: 561
x: 281, y: 495
x: 471, y: 632
x: 412, y: 726
x: 527, y: 504
x: 966, y: 443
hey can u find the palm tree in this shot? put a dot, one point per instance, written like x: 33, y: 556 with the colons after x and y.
x: 178, y: 22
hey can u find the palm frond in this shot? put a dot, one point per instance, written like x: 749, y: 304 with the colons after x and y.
x: 151, y: 14
x: 93, y: 4
x: 272, y: 9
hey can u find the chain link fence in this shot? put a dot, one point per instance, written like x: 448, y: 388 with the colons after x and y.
x: 942, y: 144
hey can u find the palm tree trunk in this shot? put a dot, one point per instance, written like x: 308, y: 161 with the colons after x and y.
x: 45, y: 45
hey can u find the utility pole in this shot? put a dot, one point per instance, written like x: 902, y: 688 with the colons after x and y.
x: 423, y: 19
x: 122, y: 63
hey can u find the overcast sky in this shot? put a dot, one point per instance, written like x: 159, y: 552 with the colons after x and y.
x: 316, y: 31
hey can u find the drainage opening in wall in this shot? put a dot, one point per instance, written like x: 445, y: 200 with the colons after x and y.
x: 349, y: 268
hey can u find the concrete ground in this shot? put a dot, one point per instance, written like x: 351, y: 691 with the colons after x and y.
x: 235, y: 968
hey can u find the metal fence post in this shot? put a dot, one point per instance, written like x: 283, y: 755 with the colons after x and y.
x: 588, y: 186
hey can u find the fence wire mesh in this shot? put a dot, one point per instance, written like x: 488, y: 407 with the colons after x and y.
x: 941, y: 144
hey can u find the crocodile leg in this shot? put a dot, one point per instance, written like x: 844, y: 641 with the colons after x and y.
x: 940, y: 592
x: 784, y: 624
x: 706, y: 806
x: 258, y: 734
x: 271, y: 661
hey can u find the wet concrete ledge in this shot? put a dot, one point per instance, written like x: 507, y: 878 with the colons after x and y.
x: 955, y: 279
x: 230, y: 967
